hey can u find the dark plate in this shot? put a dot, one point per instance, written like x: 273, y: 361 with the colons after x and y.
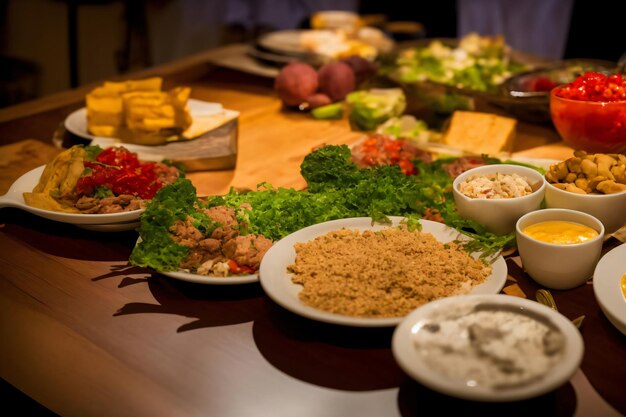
x: 527, y: 95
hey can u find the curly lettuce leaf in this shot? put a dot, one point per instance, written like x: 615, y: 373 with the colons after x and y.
x: 155, y: 248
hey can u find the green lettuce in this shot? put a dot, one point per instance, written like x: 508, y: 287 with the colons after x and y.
x: 155, y: 248
x: 370, y: 108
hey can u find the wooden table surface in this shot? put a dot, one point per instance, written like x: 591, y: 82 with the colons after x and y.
x: 84, y: 333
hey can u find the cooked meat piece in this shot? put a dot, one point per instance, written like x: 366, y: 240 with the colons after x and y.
x: 118, y: 204
x: 225, y: 234
x: 247, y: 250
x: 185, y: 233
x: 136, y: 204
x: 194, y: 259
x: 166, y: 174
x: 222, y: 214
x: 88, y: 205
x: 225, y: 216
x: 433, y: 214
x: 462, y: 164
x: 212, y: 246
x: 124, y: 202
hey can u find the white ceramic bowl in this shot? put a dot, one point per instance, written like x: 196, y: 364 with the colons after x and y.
x: 606, y: 286
x: 499, y: 215
x: 610, y: 209
x: 559, y: 266
x: 423, y: 361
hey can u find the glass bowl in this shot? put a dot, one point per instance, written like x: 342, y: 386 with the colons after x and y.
x: 590, y: 125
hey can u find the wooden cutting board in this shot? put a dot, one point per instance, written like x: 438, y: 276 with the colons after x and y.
x: 20, y: 157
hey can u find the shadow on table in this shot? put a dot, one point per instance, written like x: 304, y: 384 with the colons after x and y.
x: 67, y: 240
x: 332, y: 356
x: 416, y: 400
x: 210, y: 305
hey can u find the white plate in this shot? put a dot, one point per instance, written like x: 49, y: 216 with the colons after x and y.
x: 276, y: 281
x: 606, y: 286
x: 203, y: 279
x: 76, y: 122
x: 14, y: 198
x: 412, y: 362
x: 287, y: 42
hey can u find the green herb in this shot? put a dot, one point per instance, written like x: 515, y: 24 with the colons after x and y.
x: 92, y: 152
x: 156, y: 249
x: 337, y: 189
x: 103, y: 191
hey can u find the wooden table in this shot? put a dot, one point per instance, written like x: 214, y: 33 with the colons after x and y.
x: 84, y: 333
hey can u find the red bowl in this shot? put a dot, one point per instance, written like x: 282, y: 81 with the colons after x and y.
x: 590, y: 125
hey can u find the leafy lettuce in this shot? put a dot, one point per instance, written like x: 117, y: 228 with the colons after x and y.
x: 155, y: 247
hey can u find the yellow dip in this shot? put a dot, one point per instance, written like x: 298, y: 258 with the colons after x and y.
x: 560, y: 232
x: 623, y: 285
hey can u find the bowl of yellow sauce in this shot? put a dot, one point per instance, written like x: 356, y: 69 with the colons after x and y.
x: 560, y: 232
x: 559, y: 248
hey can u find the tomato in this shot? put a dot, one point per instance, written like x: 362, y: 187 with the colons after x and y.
x: 379, y: 150
x: 121, y: 171
x: 595, y: 86
x: 237, y: 269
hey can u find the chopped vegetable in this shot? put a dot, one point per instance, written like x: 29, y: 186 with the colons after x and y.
x: 477, y: 63
x: 330, y: 111
x: 370, y: 108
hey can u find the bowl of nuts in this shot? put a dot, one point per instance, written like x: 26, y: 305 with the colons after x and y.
x: 591, y: 183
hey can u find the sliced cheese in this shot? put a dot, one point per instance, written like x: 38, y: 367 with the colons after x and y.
x: 480, y: 133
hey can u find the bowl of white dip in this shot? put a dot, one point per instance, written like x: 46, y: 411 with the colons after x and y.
x: 488, y: 347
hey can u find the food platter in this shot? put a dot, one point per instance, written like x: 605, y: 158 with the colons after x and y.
x: 606, y: 286
x: 76, y: 122
x: 99, y: 222
x: 209, y: 280
x: 415, y: 365
x: 287, y: 43
x: 276, y: 281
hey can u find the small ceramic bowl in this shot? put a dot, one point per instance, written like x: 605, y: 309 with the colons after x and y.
x: 499, y: 215
x: 559, y: 266
x: 432, y: 346
x: 610, y: 209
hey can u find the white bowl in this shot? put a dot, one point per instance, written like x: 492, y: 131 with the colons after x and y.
x: 606, y: 286
x: 559, y: 266
x: 610, y: 209
x: 419, y: 356
x: 499, y: 215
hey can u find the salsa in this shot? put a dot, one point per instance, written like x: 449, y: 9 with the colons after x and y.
x: 120, y: 171
x: 595, y: 86
x: 379, y: 150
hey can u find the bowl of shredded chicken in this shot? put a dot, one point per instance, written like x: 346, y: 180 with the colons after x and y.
x: 496, y: 196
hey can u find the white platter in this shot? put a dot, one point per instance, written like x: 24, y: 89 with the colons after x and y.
x: 606, y: 286
x: 276, y: 281
x: 204, y: 279
x: 411, y: 361
x: 76, y: 122
x: 287, y: 42
x: 14, y: 198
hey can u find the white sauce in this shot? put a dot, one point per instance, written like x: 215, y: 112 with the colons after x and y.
x: 495, y: 186
x: 492, y: 348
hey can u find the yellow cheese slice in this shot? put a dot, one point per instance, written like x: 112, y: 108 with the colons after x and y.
x: 480, y: 133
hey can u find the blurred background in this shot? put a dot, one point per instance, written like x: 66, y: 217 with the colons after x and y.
x: 47, y: 46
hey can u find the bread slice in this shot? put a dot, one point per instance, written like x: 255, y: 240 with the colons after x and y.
x: 480, y: 133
